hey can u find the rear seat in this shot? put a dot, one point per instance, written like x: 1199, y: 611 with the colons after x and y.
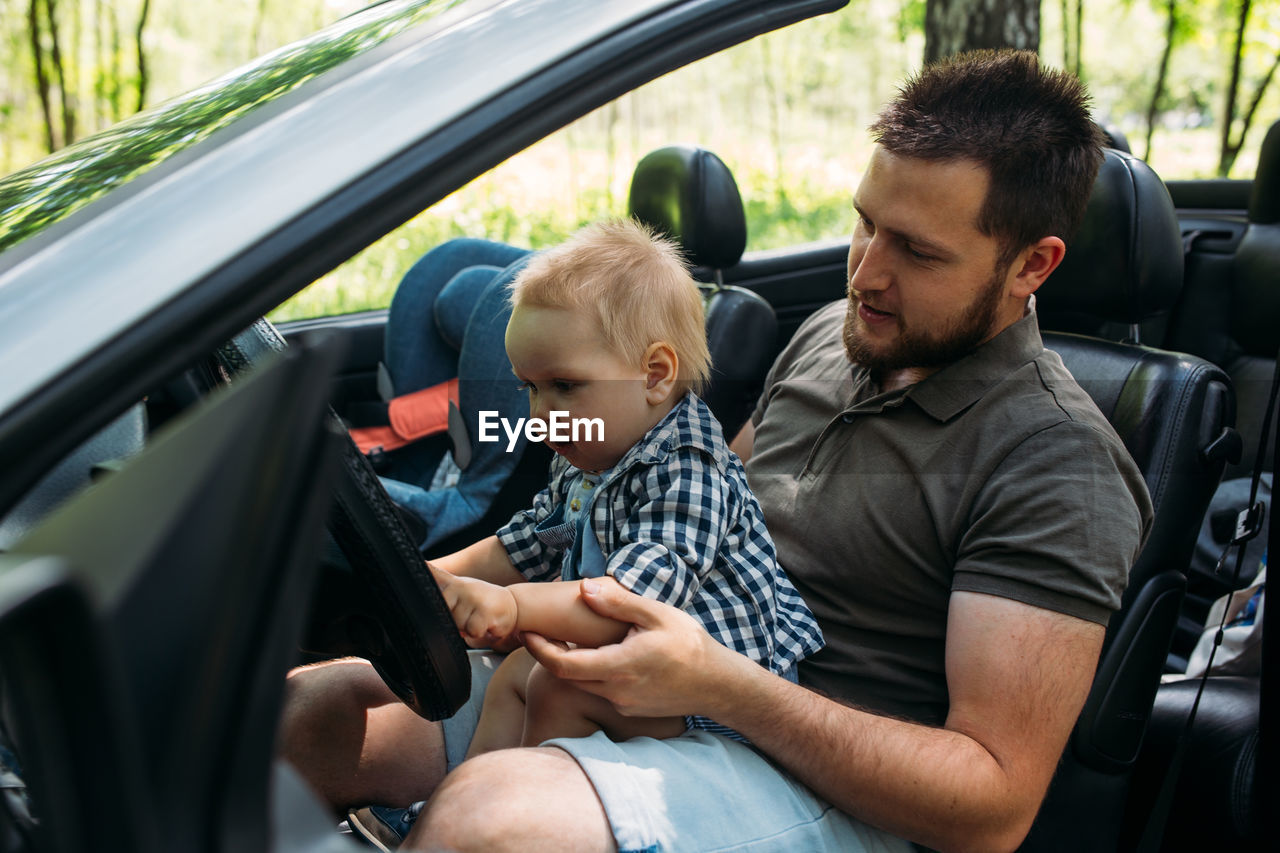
x: 1226, y: 312
x: 1168, y: 408
x: 1229, y: 314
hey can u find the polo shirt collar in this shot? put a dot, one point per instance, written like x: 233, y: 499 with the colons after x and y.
x: 689, y: 424
x: 954, y: 388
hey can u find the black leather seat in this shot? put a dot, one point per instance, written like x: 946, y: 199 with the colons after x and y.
x: 690, y: 195
x: 1231, y: 316
x: 1233, y: 319
x: 1214, y: 802
x: 1098, y: 291
x: 1116, y: 138
x: 1174, y: 413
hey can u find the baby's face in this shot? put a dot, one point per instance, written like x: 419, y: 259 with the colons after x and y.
x: 562, y: 359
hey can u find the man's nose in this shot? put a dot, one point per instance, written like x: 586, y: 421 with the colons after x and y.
x: 868, y: 269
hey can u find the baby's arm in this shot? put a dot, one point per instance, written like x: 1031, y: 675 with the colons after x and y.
x: 486, y: 560
x: 472, y: 605
x: 484, y: 612
x: 487, y: 612
x: 556, y: 610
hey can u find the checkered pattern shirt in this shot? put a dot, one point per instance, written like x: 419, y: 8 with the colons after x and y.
x: 678, y: 523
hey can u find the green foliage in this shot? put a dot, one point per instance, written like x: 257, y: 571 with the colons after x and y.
x: 786, y: 111
x: 98, y: 74
x: 48, y: 192
x: 368, y: 280
x: 911, y: 18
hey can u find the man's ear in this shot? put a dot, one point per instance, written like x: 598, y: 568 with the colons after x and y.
x: 1035, y: 263
x: 660, y: 367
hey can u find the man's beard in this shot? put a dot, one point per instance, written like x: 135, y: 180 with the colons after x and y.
x: 918, y: 348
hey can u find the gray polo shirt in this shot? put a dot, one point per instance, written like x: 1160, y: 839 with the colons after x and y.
x: 997, y: 474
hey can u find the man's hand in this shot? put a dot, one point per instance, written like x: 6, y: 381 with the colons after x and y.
x: 661, y: 668
x: 485, y: 613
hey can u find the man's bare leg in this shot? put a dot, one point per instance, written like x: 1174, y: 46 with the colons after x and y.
x: 557, y: 708
x: 354, y: 741
x: 503, y: 714
x: 514, y: 800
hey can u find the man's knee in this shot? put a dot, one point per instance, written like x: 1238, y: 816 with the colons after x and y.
x: 354, y: 741
x: 513, y: 800
x: 331, y: 693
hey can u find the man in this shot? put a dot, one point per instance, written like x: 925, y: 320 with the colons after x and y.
x: 952, y: 507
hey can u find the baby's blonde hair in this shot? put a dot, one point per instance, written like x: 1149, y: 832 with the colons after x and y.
x: 634, y: 283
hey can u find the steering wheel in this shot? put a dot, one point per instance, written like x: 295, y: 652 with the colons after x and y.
x: 413, y: 643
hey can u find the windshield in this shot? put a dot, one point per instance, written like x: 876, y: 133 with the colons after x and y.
x: 56, y: 187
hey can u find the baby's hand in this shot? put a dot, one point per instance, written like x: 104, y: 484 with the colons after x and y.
x: 485, y: 613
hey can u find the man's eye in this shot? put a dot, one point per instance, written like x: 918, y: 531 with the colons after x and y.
x: 866, y: 224
x: 527, y: 386
x: 563, y: 386
x: 918, y: 255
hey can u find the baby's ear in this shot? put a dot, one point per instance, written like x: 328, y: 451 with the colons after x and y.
x: 660, y: 368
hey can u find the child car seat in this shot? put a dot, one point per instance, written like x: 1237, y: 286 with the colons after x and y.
x: 449, y: 317
x: 454, y: 481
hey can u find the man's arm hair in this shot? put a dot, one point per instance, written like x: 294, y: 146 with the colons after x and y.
x: 1017, y: 677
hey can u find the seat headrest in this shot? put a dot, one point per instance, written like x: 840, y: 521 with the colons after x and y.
x: 456, y: 300
x: 1264, y: 202
x: 1255, y: 268
x: 1125, y: 264
x: 1256, y: 264
x: 689, y: 194
x: 1116, y: 138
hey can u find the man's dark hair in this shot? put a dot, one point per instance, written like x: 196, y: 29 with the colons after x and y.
x: 1028, y: 126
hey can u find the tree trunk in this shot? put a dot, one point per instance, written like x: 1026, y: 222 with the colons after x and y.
x: 767, y: 68
x: 42, y: 77
x: 59, y: 69
x: 1066, y: 37
x: 612, y: 118
x: 99, y: 65
x: 1079, y: 61
x: 1227, y: 155
x: 117, y: 71
x: 952, y: 26
x: 1162, y: 73
x: 255, y: 39
x: 142, y: 55
x: 74, y: 78
x: 1246, y: 121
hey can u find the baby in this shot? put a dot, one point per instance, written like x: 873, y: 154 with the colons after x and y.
x: 608, y: 329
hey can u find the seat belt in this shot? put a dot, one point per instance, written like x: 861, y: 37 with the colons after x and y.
x: 1248, y: 525
x: 410, y: 417
x: 1266, y: 782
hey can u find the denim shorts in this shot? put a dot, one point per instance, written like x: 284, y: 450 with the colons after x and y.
x: 695, y: 792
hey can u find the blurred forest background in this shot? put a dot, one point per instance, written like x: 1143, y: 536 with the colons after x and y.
x: 1189, y: 82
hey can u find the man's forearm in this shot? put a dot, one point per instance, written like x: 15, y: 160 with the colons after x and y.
x: 1017, y: 677
x: 935, y: 786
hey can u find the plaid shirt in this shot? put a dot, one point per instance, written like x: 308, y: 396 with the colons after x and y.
x: 678, y: 523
